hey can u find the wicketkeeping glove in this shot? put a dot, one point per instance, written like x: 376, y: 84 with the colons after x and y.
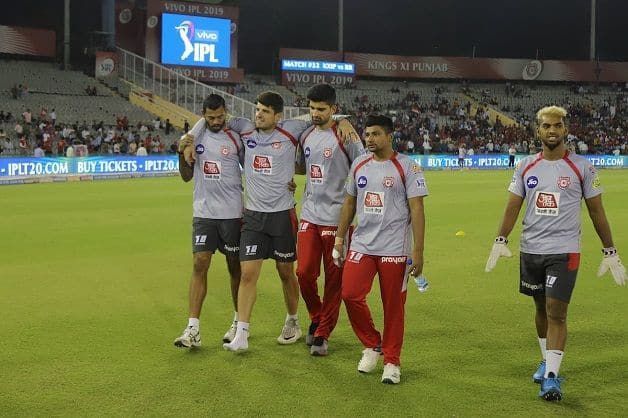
x: 612, y: 262
x: 499, y: 250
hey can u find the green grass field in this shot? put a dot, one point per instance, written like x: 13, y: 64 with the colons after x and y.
x: 93, y: 290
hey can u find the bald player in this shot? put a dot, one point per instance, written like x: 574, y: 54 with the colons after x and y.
x: 325, y: 159
x: 385, y: 190
x: 552, y: 183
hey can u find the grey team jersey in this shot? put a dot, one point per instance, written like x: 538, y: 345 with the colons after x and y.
x: 269, y: 161
x: 553, y: 191
x: 217, y: 173
x: 327, y: 161
x: 382, y: 190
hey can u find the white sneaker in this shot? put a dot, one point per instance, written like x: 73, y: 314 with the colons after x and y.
x: 240, y: 342
x: 191, y: 337
x: 230, y: 334
x: 391, y: 375
x: 369, y: 359
x: 290, y: 333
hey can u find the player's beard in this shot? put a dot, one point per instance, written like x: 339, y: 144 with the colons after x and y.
x: 552, y: 145
x: 216, y: 128
x: 318, y: 121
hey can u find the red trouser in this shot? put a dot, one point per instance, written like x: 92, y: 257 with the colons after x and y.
x: 357, y: 279
x: 314, y: 241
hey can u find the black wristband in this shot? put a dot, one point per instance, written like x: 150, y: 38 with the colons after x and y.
x: 501, y: 240
x: 609, y: 251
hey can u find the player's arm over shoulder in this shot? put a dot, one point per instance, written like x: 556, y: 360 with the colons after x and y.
x: 240, y: 125
x: 295, y: 126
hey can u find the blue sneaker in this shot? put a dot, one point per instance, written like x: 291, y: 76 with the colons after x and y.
x: 540, y: 372
x: 550, y: 389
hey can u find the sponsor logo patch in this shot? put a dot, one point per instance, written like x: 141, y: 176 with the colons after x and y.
x: 316, y: 174
x: 532, y: 182
x: 395, y: 260
x: 200, y: 149
x: 306, y: 152
x: 251, y: 143
x: 362, y: 181
x: 546, y: 203
x: 374, y: 203
x: 263, y: 164
x: 211, y: 170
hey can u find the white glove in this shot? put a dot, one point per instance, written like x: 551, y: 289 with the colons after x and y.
x: 338, y: 257
x: 612, y: 262
x: 499, y: 250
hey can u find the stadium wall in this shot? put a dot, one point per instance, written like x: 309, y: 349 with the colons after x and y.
x: 38, y: 170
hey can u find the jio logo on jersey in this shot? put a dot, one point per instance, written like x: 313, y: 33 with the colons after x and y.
x: 532, y: 182
x: 200, y: 149
x: 306, y: 152
x: 362, y: 182
x: 251, y: 143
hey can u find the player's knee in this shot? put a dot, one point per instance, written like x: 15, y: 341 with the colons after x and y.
x: 556, y: 314
x: 556, y: 317
x: 286, y: 271
x: 201, y: 262
x: 349, y: 295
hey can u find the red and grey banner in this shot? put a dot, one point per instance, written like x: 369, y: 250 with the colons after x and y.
x: 486, y: 68
x: 27, y: 41
x: 395, y: 66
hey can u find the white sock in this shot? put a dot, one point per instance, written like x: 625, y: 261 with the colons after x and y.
x: 554, y: 357
x: 235, y: 317
x: 295, y: 317
x: 543, y: 345
x: 193, y: 322
x: 242, y: 330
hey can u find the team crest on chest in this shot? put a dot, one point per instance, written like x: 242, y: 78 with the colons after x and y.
x: 388, y: 182
x: 276, y: 145
x: 224, y: 150
x: 327, y: 153
x: 564, y: 182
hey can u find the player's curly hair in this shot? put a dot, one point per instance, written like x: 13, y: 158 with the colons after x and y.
x: 552, y: 111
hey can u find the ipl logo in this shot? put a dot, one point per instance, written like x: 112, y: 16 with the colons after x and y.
x: 201, y: 49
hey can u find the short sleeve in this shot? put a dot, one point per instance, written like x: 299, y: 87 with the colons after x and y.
x: 355, y: 149
x: 415, y: 180
x: 296, y: 126
x: 198, y: 128
x: 350, y: 186
x: 592, y: 185
x: 516, y: 183
x: 240, y: 125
